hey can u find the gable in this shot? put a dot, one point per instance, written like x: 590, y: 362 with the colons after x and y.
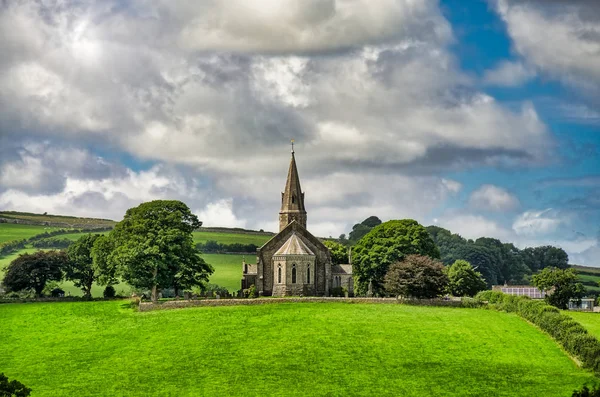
x: 286, y: 233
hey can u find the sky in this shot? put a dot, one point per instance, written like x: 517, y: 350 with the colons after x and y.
x: 480, y: 116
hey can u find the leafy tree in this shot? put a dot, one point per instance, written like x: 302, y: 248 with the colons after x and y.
x: 538, y: 258
x: 388, y: 243
x: 153, y: 247
x: 372, y: 221
x: 416, y: 276
x: 33, y: 271
x: 339, y: 253
x: 483, y: 259
x: 358, y: 231
x: 105, y: 270
x: 12, y: 388
x: 560, y: 285
x: 80, y: 267
x: 463, y: 280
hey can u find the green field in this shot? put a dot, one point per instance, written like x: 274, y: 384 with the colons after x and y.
x: 317, y: 349
x: 10, y: 231
x: 66, y: 220
x: 231, y: 238
x: 591, y: 321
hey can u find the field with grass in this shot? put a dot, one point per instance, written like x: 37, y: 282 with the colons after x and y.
x: 10, y: 232
x: 591, y: 321
x: 231, y: 238
x: 105, y: 348
x: 74, y: 221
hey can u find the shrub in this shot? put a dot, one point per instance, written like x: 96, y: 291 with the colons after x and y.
x: 586, y: 392
x: 109, y: 292
x: 12, y: 388
x: 251, y: 292
x: 338, y: 292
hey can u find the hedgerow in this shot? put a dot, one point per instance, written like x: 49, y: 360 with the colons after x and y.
x: 573, y: 337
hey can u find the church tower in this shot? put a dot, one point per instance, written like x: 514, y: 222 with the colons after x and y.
x: 292, y: 199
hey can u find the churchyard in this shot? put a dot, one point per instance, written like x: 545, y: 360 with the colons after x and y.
x: 106, y: 348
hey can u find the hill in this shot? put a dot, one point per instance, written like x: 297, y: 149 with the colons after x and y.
x: 318, y: 349
x: 59, y: 221
x: 589, y: 277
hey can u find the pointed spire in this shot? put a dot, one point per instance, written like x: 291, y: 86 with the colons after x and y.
x: 292, y: 198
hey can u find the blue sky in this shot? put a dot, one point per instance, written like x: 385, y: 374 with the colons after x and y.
x: 479, y: 116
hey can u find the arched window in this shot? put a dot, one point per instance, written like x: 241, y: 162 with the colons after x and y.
x: 294, y: 273
x: 279, y: 274
x: 308, y: 274
x: 293, y: 198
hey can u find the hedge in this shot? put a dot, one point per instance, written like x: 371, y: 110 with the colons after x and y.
x: 573, y: 337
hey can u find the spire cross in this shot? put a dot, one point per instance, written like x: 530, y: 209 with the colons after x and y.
x: 292, y: 146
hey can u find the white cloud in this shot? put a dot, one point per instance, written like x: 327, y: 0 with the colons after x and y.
x: 493, y: 198
x: 533, y: 223
x: 509, y: 74
x: 474, y: 226
x: 221, y: 214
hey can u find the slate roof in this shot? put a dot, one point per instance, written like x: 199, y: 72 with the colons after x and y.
x: 294, y: 246
x: 341, y: 269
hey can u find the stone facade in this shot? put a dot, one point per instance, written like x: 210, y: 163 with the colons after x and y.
x: 294, y: 262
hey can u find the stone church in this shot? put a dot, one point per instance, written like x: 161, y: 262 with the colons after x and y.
x: 294, y: 262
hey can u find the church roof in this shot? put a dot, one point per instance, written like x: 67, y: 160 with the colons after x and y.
x: 294, y: 246
x: 292, y: 197
x: 341, y: 269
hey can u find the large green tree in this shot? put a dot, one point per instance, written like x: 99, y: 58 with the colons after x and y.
x: 339, y: 253
x: 538, y: 258
x: 154, y: 249
x: 416, y: 276
x: 361, y: 229
x: 463, y: 280
x: 33, y: 271
x: 560, y: 285
x: 80, y: 267
x: 388, y: 243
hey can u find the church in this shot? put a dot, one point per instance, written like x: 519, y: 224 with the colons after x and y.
x: 294, y: 262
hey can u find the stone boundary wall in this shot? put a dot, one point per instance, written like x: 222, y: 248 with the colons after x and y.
x: 179, y: 304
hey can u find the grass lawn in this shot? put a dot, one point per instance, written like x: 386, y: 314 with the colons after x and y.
x: 11, y: 231
x: 591, y: 321
x: 228, y: 269
x: 231, y: 238
x: 317, y: 349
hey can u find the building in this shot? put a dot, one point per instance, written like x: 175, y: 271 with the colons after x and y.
x: 294, y: 262
x: 586, y: 305
x: 520, y: 290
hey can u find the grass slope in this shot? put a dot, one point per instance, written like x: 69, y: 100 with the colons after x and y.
x: 10, y: 231
x: 68, y: 220
x: 101, y: 348
x: 231, y: 238
x: 591, y: 321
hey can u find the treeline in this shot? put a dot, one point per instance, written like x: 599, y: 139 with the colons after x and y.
x: 10, y: 247
x: 498, y: 262
x: 213, y: 247
x: 53, y: 242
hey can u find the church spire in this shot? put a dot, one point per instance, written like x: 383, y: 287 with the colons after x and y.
x: 292, y: 198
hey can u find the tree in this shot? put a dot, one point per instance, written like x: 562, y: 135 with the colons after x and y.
x: 538, y: 258
x: 153, y: 247
x: 33, y: 271
x: 339, y: 253
x: 416, y: 276
x: 12, y: 388
x: 371, y: 221
x: 106, y: 270
x: 463, y: 280
x: 388, y: 243
x: 560, y: 285
x: 80, y: 267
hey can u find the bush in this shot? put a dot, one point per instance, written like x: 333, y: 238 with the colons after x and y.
x: 338, y: 292
x: 57, y: 293
x: 12, y: 388
x: 251, y: 292
x: 109, y: 292
x: 586, y: 392
x: 569, y: 333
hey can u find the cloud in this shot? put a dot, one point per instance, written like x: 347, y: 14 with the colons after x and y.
x: 508, y: 74
x: 472, y: 226
x: 220, y: 214
x: 534, y: 223
x: 493, y: 198
x: 560, y: 39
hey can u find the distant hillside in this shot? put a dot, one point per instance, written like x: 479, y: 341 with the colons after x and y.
x: 61, y: 221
